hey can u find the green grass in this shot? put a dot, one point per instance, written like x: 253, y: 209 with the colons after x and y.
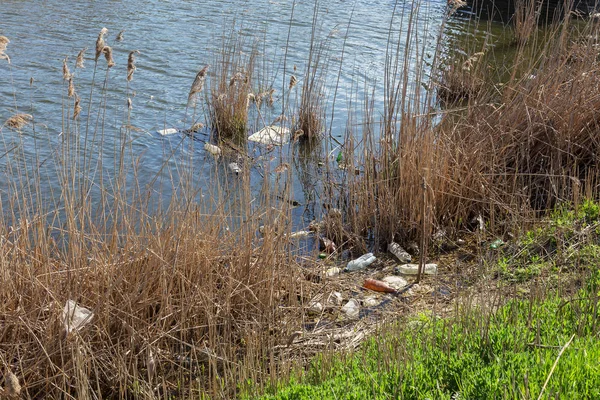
x: 478, y: 354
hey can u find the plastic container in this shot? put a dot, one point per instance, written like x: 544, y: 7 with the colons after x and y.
x: 361, y: 262
x: 212, y: 149
x: 235, y: 168
x: 413, y: 269
x: 401, y: 254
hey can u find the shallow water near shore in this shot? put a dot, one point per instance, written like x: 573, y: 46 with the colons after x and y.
x: 175, y: 40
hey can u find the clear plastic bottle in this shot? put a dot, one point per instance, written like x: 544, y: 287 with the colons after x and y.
x: 401, y: 254
x: 361, y: 262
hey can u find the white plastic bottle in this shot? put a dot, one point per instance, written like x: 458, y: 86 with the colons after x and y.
x: 361, y: 262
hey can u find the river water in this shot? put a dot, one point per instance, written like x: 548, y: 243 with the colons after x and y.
x: 175, y: 39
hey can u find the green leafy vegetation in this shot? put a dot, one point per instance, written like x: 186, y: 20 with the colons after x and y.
x: 481, y: 352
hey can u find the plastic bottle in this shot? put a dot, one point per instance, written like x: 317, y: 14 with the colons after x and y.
x: 399, y: 252
x: 360, y: 263
x: 413, y: 269
x: 235, y: 168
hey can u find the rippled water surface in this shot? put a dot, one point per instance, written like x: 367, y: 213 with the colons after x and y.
x: 175, y: 40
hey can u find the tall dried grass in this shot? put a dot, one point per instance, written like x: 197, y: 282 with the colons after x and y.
x: 231, y: 90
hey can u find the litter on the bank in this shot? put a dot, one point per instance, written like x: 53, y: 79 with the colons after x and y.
x: 168, y: 131
x: 401, y: 254
x: 361, y: 262
x: 413, y: 269
x: 351, y: 308
x: 378, y: 286
x: 75, y: 317
x: 271, y: 135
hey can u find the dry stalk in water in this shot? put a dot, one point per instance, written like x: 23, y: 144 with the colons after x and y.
x: 119, y: 37
x: 131, y: 65
x: 237, y: 77
x: 197, y: 85
x: 65, y: 69
x: 3, y: 43
x: 71, y: 90
x: 18, y: 121
x: 100, y: 43
x: 107, y: 50
x: 77, y: 108
x: 129, y: 105
x: 80, y: 59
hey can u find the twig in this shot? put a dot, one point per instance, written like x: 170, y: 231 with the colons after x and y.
x: 554, y: 366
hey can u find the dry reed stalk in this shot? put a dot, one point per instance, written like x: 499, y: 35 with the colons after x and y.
x: 18, y: 121
x: 107, y: 50
x: 293, y: 82
x: 129, y: 103
x: 119, y: 37
x: 100, y: 43
x: 3, y: 44
x: 12, y: 387
x: 71, y: 89
x: 79, y: 63
x: 76, y: 108
x: 131, y: 65
x: 238, y: 77
x: 65, y: 69
x: 197, y: 85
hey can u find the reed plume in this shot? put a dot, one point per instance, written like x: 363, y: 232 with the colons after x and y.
x: 77, y: 108
x: 18, y: 121
x: 129, y: 104
x: 80, y: 59
x: 3, y: 43
x: 71, y: 90
x: 293, y: 82
x: 65, y: 69
x: 100, y: 43
x: 131, y: 65
x: 119, y: 37
x: 198, y: 84
x: 107, y: 50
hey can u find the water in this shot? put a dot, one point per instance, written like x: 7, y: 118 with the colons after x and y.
x: 175, y: 40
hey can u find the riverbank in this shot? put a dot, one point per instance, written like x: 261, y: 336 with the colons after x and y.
x: 119, y: 283
x: 526, y: 329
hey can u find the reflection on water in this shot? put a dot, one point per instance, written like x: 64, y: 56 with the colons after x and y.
x: 176, y: 39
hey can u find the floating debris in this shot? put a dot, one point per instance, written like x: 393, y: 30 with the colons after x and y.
x: 271, y: 135
x: 235, y: 168
x: 168, y: 131
x: 212, y: 149
x: 299, y: 234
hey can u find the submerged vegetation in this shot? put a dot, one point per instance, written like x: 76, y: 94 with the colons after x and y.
x: 204, y: 294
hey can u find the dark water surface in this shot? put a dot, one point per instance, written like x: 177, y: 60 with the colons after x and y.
x: 175, y: 40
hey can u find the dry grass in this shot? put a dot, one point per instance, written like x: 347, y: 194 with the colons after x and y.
x: 531, y: 146
x: 231, y: 91
x: 18, y: 121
